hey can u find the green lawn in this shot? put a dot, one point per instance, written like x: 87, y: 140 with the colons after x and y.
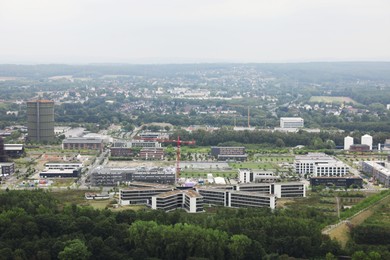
x: 253, y: 165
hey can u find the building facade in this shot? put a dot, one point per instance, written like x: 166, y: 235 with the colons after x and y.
x: 189, y: 200
x: 319, y: 164
x: 291, y: 122
x: 7, y: 168
x: 40, y: 120
x: 342, y: 182
x: 80, y: 143
x: 224, y: 153
x: 378, y: 170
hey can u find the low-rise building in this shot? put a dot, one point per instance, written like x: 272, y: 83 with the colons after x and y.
x: 341, y: 182
x: 378, y: 171
x: 60, y: 173
x: 116, y: 176
x: 81, y: 143
x: 291, y: 122
x: 152, y: 153
x: 224, y: 153
x: 14, y: 150
x: 249, y: 175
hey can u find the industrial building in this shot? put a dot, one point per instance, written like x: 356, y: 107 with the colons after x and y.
x: 40, y: 120
x: 82, y: 143
x: 367, y: 140
x: 380, y: 171
x: 291, y: 122
x: 116, y: 176
x: 319, y: 164
x: 340, y: 182
x: 224, y: 153
x: 348, y: 141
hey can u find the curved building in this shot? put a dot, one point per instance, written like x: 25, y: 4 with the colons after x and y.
x: 40, y: 120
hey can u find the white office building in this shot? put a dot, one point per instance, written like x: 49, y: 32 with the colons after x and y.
x: 319, y: 164
x: 291, y: 122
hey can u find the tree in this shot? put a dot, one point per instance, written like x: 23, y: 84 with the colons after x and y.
x: 74, y: 249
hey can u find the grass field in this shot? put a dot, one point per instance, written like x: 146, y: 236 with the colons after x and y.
x: 253, y: 165
x: 326, y: 99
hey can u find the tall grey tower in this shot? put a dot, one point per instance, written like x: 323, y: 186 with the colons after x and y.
x: 40, y: 120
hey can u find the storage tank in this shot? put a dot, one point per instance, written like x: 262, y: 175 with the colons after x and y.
x: 348, y: 141
x: 367, y: 139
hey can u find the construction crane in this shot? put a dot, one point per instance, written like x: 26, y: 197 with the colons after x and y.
x: 178, y: 144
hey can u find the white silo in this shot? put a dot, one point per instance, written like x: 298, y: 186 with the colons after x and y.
x: 348, y: 141
x: 367, y: 139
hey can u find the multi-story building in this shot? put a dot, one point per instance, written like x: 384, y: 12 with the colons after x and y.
x: 140, y: 195
x: 81, y: 143
x: 14, y: 150
x: 153, y: 135
x: 378, y: 170
x: 189, y: 200
x: 3, y: 155
x: 291, y: 122
x: 249, y: 175
x: 224, y: 153
x: 40, y: 120
x: 125, y: 148
x: 7, y: 168
x: 279, y: 189
x: 152, y: 153
x: 344, y: 182
x: 116, y: 176
x: 319, y: 164
x: 234, y: 198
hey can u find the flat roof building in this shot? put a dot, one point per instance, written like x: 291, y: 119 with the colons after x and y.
x: 378, y: 171
x: 319, y: 164
x: 82, y: 143
x: 291, y: 122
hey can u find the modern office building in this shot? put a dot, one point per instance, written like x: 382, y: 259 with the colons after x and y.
x: 133, y: 196
x: 341, y: 182
x: 189, y: 200
x: 7, y: 168
x: 380, y: 171
x: 60, y: 173
x: 125, y: 148
x: 116, y: 176
x: 224, y: 153
x: 319, y: 164
x: 14, y: 150
x: 249, y: 175
x: 279, y: 189
x: 291, y: 122
x: 40, y: 120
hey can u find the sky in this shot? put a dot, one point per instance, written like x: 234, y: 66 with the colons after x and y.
x: 185, y: 31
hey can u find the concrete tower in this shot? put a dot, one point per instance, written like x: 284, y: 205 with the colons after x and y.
x: 348, y: 141
x: 3, y: 156
x: 367, y: 139
x: 40, y: 120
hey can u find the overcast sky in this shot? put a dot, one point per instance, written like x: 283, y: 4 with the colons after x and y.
x: 163, y: 31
